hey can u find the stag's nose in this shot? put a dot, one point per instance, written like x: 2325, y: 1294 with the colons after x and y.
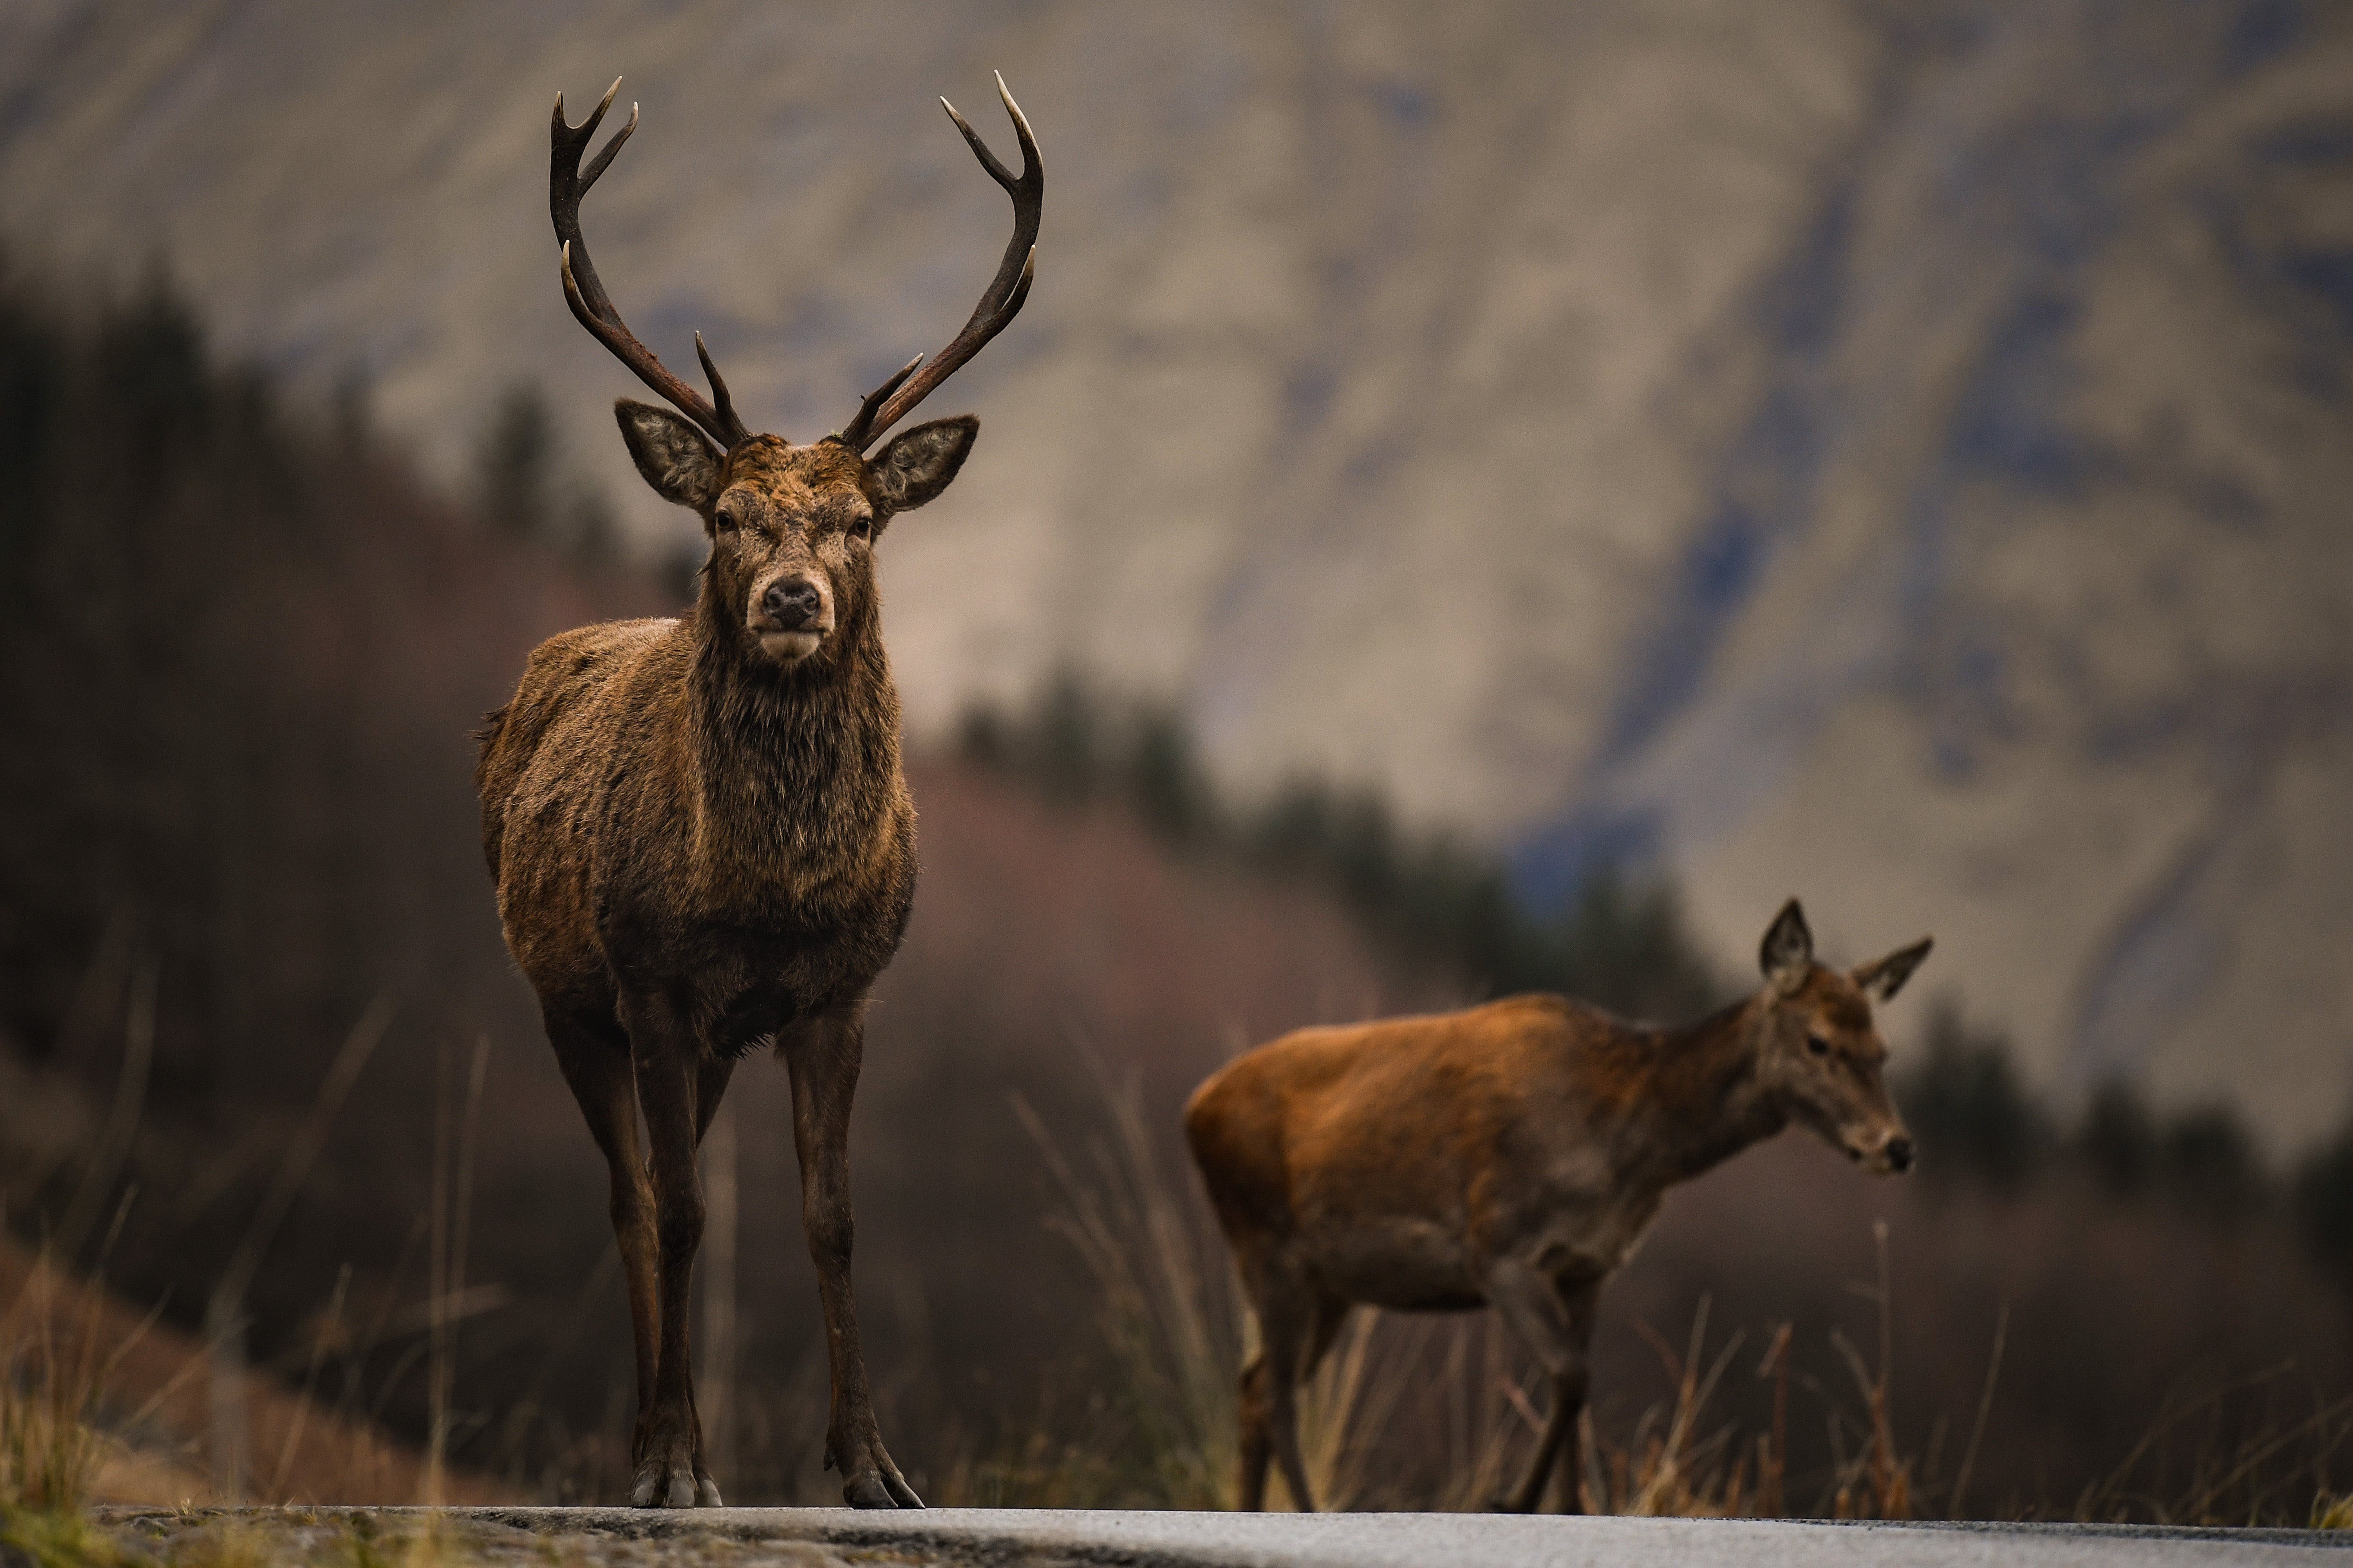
x: 1899, y: 1154
x: 792, y: 603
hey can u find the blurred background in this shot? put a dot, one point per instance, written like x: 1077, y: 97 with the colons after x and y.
x: 1480, y: 499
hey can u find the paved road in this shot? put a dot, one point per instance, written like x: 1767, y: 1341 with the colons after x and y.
x: 1052, y: 1538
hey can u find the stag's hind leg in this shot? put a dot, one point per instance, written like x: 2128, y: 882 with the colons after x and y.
x: 669, y: 1472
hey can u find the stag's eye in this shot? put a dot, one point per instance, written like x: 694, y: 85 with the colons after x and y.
x: 1818, y: 1046
x: 725, y: 520
x: 863, y: 529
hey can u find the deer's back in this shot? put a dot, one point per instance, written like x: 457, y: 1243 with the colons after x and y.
x: 1396, y: 1151
x: 1402, y: 1113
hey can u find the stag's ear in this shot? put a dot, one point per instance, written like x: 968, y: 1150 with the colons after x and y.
x: 918, y: 465
x: 1786, y: 956
x: 675, y: 459
x: 1882, y: 978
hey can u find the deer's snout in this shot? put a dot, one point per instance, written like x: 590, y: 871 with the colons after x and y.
x: 1890, y: 1157
x: 793, y: 603
x: 791, y: 618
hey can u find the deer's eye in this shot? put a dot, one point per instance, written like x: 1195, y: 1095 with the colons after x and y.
x: 725, y: 520
x: 863, y: 529
x: 1818, y: 1046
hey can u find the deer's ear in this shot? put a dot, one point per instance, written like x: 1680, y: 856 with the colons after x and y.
x: 1787, y: 954
x: 675, y: 459
x: 1882, y: 978
x: 917, y: 466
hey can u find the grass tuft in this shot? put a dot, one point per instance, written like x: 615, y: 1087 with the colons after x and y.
x: 56, y: 1538
x: 50, y: 1380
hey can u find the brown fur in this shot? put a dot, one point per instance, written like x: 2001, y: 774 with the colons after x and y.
x: 702, y: 843
x: 1511, y: 1155
x: 698, y: 830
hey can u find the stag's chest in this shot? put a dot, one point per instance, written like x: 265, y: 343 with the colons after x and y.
x: 773, y: 939
x: 779, y: 853
x: 793, y: 853
x: 794, y: 814
x: 800, y: 854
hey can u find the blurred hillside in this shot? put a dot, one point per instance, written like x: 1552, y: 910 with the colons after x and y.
x: 1885, y: 451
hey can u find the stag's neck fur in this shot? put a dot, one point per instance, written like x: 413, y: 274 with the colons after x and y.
x: 1697, y: 1096
x: 796, y: 778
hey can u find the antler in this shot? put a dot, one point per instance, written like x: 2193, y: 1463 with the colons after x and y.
x: 567, y: 183
x: 889, y: 403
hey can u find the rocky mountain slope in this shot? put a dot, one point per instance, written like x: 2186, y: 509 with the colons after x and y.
x: 1884, y: 452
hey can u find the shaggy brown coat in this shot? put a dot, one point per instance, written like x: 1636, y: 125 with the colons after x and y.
x: 704, y: 844
x: 699, y: 829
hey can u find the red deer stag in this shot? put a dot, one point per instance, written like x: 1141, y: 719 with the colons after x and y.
x: 1510, y: 1155
x: 701, y: 836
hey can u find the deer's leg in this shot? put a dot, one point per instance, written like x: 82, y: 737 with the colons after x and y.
x: 824, y: 1062
x: 1327, y: 1316
x: 1254, y: 1407
x: 1556, y: 1325
x: 666, y: 1057
x: 1271, y: 1293
x: 1571, y: 1388
x: 1287, y: 1311
x: 710, y: 1079
x: 1256, y: 1410
x: 595, y: 1065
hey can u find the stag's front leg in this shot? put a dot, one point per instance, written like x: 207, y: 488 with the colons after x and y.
x: 824, y: 1060
x: 594, y: 1058
x: 669, y: 1472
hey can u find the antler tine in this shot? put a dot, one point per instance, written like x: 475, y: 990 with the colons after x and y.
x: 999, y: 303
x: 725, y: 405
x: 602, y: 161
x: 585, y: 292
x: 855, y: 433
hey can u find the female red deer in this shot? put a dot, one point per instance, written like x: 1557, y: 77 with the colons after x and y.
x: 701, y: 836
x: 1510, y: 1155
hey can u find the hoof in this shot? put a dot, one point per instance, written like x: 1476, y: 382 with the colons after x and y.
x: 872, y: 1480
x: 666, y: 1479
x: 873, y: 1491
x: 660, y: 1490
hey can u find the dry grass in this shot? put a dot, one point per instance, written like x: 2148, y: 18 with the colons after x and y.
x: 101, y: 1403
x: 1403, y: 1400
x: 59, y: 1353
x: 77, y: 1366
x: 146, y: 1393
x: 1169, y: 1310
x: 52, y: 1371
x: 1177, y: 1331
x: 1407, y: 1410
